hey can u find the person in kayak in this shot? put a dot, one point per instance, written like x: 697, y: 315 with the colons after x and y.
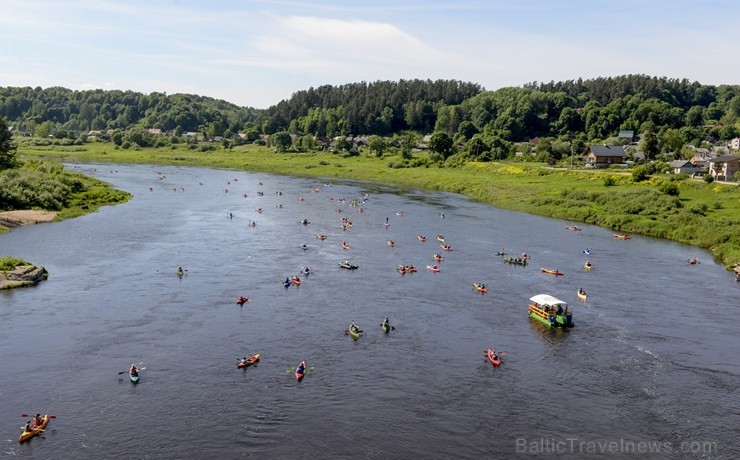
x: 27, y: 426
x: 301, y: 368
x: 244, y: 360
x: 179, y: 270
x: 354, y: 328
x: 133, y: 371
x: 37, y: 420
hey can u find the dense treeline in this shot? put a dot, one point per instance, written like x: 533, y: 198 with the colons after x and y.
x: 568, y: 115
x: 381, y: 107
x: 555, y: 119
x: 46, y: 111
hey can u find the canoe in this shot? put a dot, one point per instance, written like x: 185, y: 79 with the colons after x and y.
x: 386, y: 327
x: 295, y: 280
x: 391, y: 243
x: 622, y: 237
x: 421, y: 238
x: 320, y: 236
x: 251, y: 360
x: 513, y: 261
x: 345, y: 246
x: 438, y: 258
x: 348, y: 265
x: 445, y: 247
x: 287, y: 283
x: 587, y: 267
x: 355, y: 334
x: 552, y: 272
x: 26, y: 435
x: 491, y: 355
x: 433, y: 268
x: 573, y: 227
x: 134, y: 378
x: 440, y: 238
x: 480, y: 288
x: 242, y: 300
x: 300, y: 373
x: 582, y: 295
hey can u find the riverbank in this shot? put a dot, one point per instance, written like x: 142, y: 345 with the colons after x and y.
x: 695, y: 213
x: 12, y: 219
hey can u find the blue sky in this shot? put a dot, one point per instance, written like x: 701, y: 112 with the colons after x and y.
x: 257, y: 52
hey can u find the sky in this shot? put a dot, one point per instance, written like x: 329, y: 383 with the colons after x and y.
x: 255, y: 53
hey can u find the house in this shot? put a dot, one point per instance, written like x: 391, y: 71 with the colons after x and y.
x: 725, y: 167
x: 734, y: 144
x: 627, y: 135
x: 155, y: 131
x: 601, y: 156
x: 683, y: 167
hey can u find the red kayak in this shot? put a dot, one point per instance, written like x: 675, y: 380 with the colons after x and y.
x: 300, y: 371
x: 242, y: 300
x: 493, y: 357
x: 251, y: 360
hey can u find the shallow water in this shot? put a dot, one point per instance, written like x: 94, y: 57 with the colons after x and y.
x: 651, y: 360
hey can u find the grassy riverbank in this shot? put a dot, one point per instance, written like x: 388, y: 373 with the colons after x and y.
x: 701, y: 214
x: 38, y: 185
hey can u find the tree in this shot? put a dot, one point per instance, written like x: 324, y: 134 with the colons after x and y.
x: 441, y: 142
x: 281, y: 141
x: 649, y: 142
x: 7, y: 146
x: 376, y: 144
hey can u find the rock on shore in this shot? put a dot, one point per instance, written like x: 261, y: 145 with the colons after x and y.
x: 22, y: 276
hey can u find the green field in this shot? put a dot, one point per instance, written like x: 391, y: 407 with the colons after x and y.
x: 703, y: 215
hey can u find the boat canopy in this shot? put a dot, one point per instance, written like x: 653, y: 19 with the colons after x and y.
x: 547, y: 299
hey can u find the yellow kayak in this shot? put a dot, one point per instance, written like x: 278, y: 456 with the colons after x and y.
x: 26, y: 435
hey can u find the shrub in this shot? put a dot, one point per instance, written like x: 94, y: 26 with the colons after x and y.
x: 669, y: 188
x: 640, y: 173
x: 708, y: 178
x: 610, y: 181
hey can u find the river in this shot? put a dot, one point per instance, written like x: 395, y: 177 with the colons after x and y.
x: 650, y: 369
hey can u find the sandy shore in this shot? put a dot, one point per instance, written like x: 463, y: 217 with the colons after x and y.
x: 12, y: 219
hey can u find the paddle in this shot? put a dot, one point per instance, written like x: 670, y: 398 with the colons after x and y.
x: 137, y: 366
x: 51, y: 417
x: 359, y: 331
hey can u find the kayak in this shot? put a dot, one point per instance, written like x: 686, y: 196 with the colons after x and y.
x: 295, y: 280
x: 445, y: 247
x: 587, y: 266
x: 480, y: 287
x: 391, y: 243
x: 26, y: 435
x: 134, y: 378
x: 440, y: 238
x: 242, y: 300
x: 251, y: 360
x: 552, y: 272
x: 433, y: 268
x: 582, y: 295
x: 300, y: 371
x: 354, y: 333
x: 622, y: 237
x: 349, y: 266
x: 421, y: 238
x: 438, y: 258
x: 495, y: 360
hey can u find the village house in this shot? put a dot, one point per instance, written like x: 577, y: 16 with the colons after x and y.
x: 734, y: 144
x: 155, y: 131
x: 602, y: 156
x: 683, y: 167
x: 724, y: 168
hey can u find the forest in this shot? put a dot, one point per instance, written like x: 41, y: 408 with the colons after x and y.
x: 560, y: 118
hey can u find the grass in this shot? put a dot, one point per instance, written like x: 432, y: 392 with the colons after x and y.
x: 703, y: 215
x: 9, y: 263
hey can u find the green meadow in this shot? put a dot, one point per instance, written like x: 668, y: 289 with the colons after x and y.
x: 705, y: 215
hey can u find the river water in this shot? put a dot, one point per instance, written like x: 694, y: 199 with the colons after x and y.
x: 649, y: 371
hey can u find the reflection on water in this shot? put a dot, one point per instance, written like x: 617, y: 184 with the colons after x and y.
x: 645, y: 338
